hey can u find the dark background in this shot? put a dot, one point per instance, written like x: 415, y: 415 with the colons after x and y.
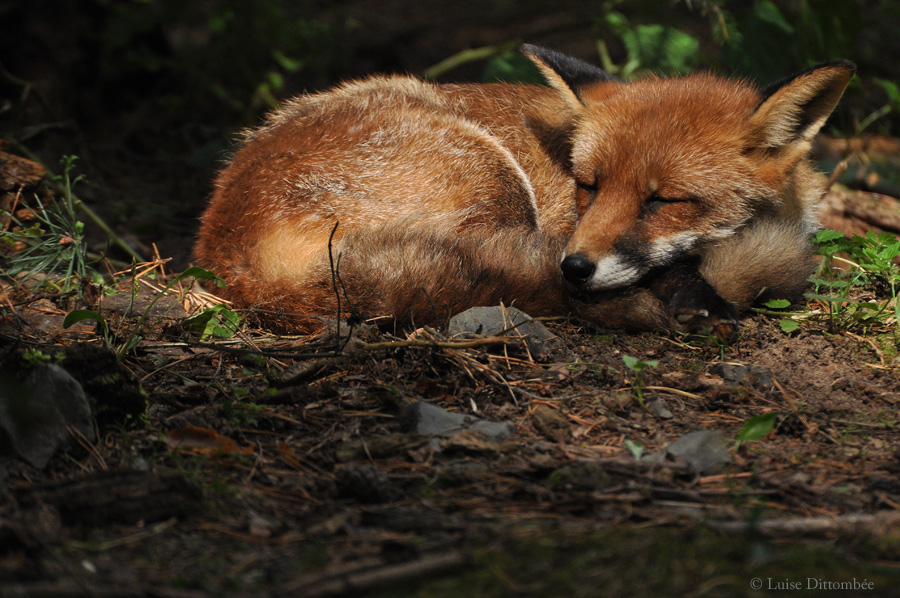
x: 149, y: 94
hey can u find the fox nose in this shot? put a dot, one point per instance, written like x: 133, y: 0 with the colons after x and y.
x: 577, y: 268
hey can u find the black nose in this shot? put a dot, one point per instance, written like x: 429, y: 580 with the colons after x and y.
x: 577, y: 268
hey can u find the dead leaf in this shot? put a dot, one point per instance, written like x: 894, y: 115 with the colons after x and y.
x: 551, y: 423
x: 203, y: 441
x: 471, y: 441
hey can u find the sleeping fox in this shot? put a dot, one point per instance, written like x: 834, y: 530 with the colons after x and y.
x: 661, y: 203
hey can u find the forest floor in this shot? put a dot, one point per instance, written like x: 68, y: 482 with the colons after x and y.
x: 340, y: 463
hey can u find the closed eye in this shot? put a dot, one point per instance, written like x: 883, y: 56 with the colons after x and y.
x: 655, y: 202
x: 585, y: 193
x: 592, y: 187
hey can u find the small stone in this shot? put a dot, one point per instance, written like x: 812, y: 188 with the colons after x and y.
x: 658, y: 408
x: 734, y: 374
x: 704, y: 450
x: 496, y: 320
x: 619, y: 402
x: 431, y: 420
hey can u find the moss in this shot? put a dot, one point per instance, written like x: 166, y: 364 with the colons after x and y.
x: 578, y: 478
x: 648, y: 562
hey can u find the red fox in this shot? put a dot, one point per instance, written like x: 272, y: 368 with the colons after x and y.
x: 657, y: 203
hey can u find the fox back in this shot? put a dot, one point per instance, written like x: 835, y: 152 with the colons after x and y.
x: 611, y: 200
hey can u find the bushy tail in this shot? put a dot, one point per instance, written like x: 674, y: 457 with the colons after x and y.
x: 768, y: 259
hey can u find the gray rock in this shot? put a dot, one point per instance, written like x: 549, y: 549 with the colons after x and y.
x: 658, y: 408
x: 424, y: 418
x: 35, y: 415
x: 734, y: 374
x: 704, y: 450
x: 495, y: 321
x: 53, y: 383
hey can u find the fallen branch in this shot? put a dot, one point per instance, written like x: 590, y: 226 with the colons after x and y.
x: 363, y: 579
x: 448, y: 344
x: 813, y: 526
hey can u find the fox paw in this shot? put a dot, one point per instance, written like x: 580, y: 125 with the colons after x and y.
x: 708, y: 315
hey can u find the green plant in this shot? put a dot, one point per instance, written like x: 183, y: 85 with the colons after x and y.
x: 857, y: 282
x: 649, y: 47
x: 134, y: 337
x: 241, y: 411
x: 231, y: 56
x: 755, y: 428
x: 35, y: 357
x: 639, y: 366
x: 54, y: 245
x: 893, y: 93
x: 787, y: 323
x: 869, y: 264
x: 766, y: 39
x: 635, y: 448
x: 217, y: 321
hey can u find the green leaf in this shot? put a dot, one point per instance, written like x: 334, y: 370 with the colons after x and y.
x: 636, y: 365
x: 891, y: 89
x: 511, y: 67
x: 826, y: 235
x: 825, y: 298
x: 890, y: 251
x: 198, y: 272
x: 836, y: 284
x: 130, y: 344
x: 778, y: 303
x: 757, y: 427
x: 768, y: 12
x: 217, y: 321
x: 634, y: 448
x: 661, y: 47
x: 289, y: 64
x: 789, y: 325
x: 34, y: 230
x: 79, y: 315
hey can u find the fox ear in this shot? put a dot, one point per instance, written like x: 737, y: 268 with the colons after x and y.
x: 794, y: 109
x: 566, y: 74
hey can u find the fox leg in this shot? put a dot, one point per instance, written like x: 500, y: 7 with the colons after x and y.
x: 693, y: 304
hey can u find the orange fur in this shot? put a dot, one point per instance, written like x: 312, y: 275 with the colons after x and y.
x: 449, y: 196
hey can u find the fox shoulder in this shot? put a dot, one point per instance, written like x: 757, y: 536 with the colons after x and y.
x: 362, y: 95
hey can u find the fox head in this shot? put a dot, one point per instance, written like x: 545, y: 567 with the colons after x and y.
x: 664, y: 166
